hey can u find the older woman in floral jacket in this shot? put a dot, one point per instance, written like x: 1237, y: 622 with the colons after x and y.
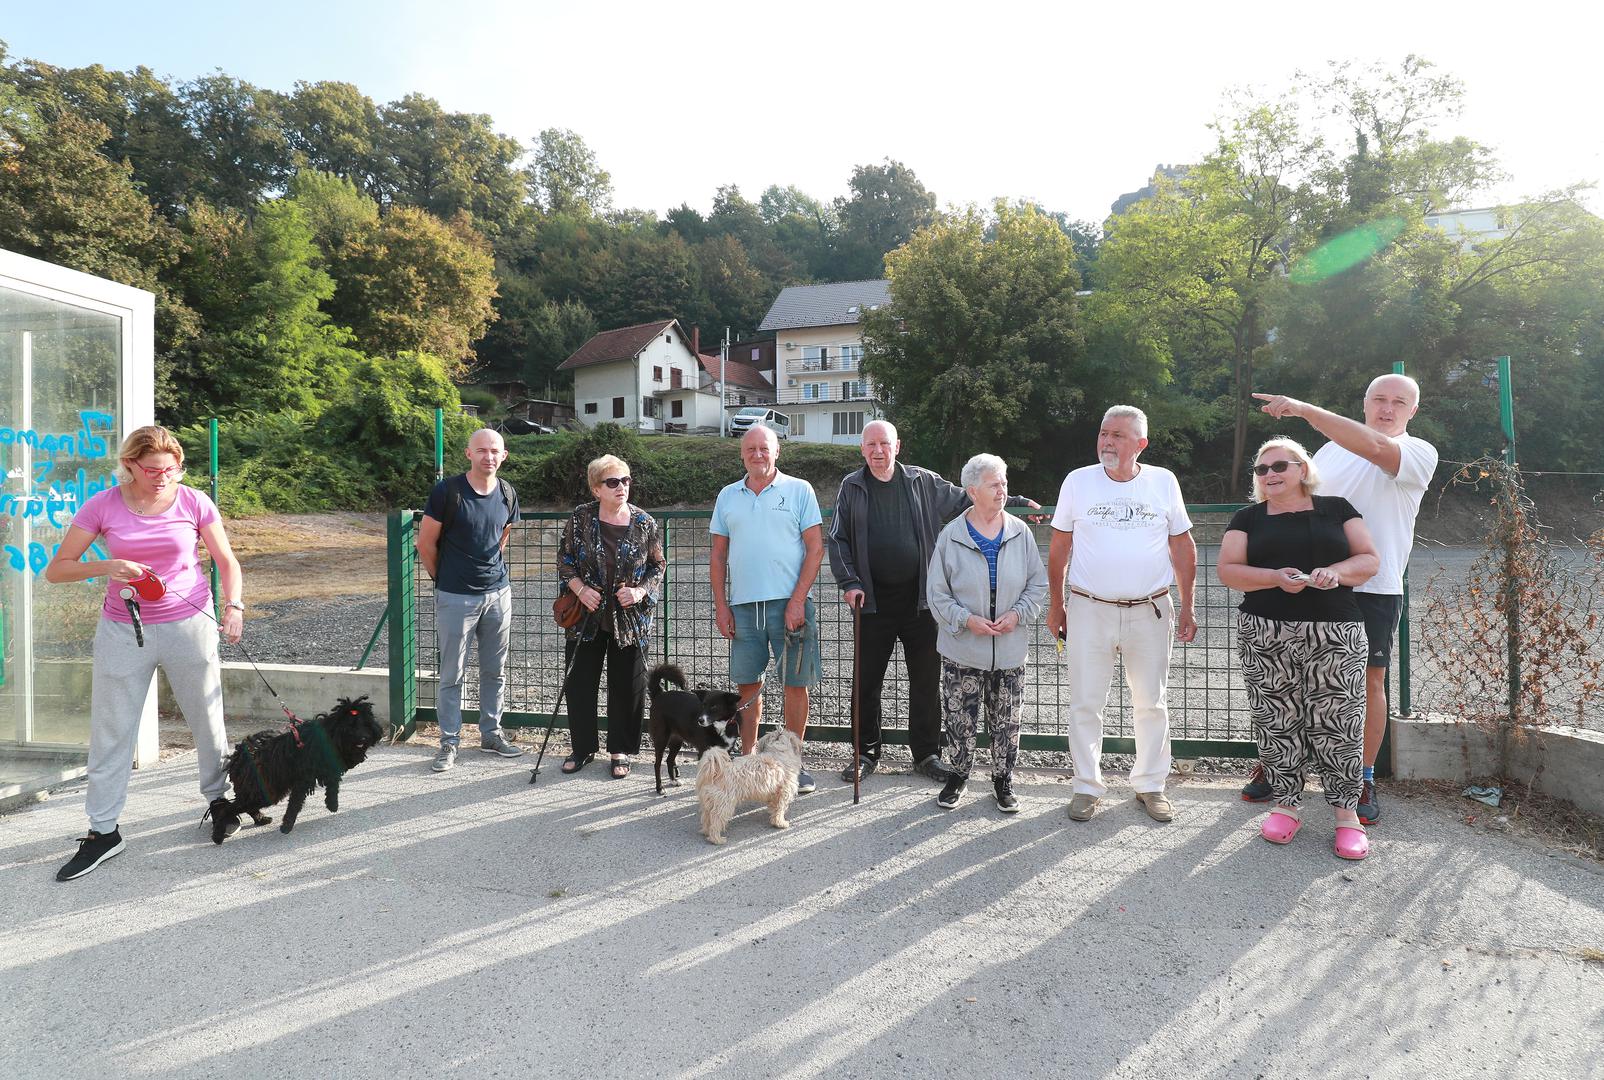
x: 611, y: 558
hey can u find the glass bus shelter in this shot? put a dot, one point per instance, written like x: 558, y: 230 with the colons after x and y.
x: 77, y: 359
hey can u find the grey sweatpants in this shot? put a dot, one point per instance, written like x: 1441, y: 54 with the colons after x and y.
x: 187, y: 651
x: 460, y: 619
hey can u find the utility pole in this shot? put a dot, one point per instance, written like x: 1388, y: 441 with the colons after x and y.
x: 723, y: 394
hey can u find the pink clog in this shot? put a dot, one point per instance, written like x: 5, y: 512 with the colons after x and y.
x: 1280, y: 825
x: 1352, y: 842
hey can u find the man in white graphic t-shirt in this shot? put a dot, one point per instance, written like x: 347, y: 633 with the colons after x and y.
x: 1383, y: 471
x: 1122, y: 532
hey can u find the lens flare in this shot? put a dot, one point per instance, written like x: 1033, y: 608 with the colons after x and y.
x: 1346, y: 251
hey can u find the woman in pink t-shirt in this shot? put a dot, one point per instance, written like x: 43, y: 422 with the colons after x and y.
x: 149, y: 522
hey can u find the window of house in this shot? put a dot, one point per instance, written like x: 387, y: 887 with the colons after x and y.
x: 741, y: 398
x: 669, y: 338
x: 651, y: 408
x: 756, y: 354
x: 851, y: 357
x: 618, y: 408
x: 815, y: 358
x: 676, y: 408
x: 854, y: 391
x: 813, y: 391
x: 847, y: 423
x: 590, y: 407
x: 657, y: 373
x: 799, y: 423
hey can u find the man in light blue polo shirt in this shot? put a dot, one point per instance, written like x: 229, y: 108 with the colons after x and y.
x: 768, y: 537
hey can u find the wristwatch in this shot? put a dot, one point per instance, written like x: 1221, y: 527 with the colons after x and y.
x: 237, y: 605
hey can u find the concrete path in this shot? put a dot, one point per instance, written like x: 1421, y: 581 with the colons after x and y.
x: 469, y: 925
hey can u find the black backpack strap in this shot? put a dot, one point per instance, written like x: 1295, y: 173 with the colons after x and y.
x: 452, y: 500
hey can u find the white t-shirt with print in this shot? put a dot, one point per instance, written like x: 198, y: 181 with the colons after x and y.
x: 1389, y: 503
x: 1122, y: 530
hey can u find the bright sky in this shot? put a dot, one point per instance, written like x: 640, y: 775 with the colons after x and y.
x: 999, y: 98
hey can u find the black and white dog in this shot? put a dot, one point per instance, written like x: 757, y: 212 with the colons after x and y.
x: 268, y: 765
x: 699, y: 718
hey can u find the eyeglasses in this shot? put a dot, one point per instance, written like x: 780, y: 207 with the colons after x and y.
x: 616, y: 482
x: 157, y: 474
x: 1276, y: 467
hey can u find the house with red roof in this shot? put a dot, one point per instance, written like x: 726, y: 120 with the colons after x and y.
x: 652, y: 377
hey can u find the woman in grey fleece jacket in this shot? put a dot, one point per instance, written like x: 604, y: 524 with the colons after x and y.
x: 985, y: 585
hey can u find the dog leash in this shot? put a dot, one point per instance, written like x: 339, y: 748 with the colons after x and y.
x: 295, y: 721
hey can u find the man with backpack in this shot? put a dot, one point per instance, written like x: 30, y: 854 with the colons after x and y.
x: 461, y: 543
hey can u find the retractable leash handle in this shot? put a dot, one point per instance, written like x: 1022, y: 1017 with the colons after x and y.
x: 132, y: 605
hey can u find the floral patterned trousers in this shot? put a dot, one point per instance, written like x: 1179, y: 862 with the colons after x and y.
x: 965, y: 692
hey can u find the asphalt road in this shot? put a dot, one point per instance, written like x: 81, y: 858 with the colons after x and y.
x: 470, y: 925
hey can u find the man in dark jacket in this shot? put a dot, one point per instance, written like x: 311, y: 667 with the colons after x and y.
x: 887, y: 517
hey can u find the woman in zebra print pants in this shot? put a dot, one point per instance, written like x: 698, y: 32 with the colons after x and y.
x: 1296, y: 556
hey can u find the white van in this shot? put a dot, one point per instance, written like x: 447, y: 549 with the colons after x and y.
x: 744, y: 419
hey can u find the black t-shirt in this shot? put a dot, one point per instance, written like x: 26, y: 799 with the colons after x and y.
x: 893, y: 543
x: 1308, y: 540
x: 470, y: 550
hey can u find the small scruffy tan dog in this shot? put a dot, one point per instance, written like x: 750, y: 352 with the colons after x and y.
x: 768, y: 777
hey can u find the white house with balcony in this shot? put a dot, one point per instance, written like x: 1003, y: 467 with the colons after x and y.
x: 818, y: 354
x: 645, y: 377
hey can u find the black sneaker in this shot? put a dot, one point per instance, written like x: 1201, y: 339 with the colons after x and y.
x: 953, y: 792
x: 865, y: 769
x: 225, y: 822
x: 933, y: 768
x: 1004, y: 791
x: 1257, y: 789
x: 1369, y: 805
x: 93, y: 850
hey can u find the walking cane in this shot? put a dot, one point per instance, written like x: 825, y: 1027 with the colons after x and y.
x: 857, y: 655
x: 562, y: 686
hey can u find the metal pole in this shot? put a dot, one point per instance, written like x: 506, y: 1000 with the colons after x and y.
x: 211, y: 443
x: 1510, y: 484
x: 1506, y: 409
x: 723, y: 387
x: 439, y: 445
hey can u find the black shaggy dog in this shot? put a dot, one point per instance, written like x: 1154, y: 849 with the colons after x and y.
x: 268, y: 765
x: 699, y: 718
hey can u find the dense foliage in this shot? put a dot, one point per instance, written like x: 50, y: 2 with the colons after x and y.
x: 328, y: 268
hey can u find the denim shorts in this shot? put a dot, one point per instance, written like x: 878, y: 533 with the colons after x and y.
x: 760, y: 632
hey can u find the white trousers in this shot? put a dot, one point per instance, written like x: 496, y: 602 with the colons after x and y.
x: 1100, y: 634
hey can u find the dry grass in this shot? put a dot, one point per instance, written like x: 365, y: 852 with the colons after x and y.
x: 292, y: 556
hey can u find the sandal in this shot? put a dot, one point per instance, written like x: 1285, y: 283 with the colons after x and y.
x: 1280, y: 825
x: 575, y: 762
x: 620, y: 766
x: 1355, y: 845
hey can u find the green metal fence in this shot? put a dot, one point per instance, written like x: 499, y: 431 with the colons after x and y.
x: 1208, y: 706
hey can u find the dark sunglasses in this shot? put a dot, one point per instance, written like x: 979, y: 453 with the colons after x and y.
x: 1274, y: 467
x: 616, y: 482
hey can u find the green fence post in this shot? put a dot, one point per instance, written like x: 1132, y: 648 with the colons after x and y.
x: 1510, y: 494
x: 439, y: 445
x: 403, y: 645
x: 211, y: 444
x: 663, y: 615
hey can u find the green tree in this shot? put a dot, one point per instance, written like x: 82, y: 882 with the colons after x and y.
x: 449, y: 163
x: 332, y: 127
x: 887, y: 206
x: 63, y: 201
x: 267, y: 345
x: 414, y: 283
x: 980, y: 347
x: 1200, y: 256
x: 563, y: 176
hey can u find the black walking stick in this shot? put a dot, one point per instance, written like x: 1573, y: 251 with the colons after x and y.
x: 534, y: 774
x: 857, y: 673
